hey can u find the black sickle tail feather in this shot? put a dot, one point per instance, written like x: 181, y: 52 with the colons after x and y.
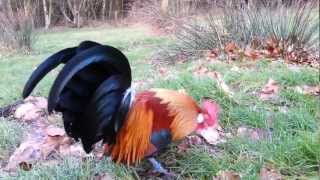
x: 90, y: 90
x: 52, y: 62
x: 45, y: 67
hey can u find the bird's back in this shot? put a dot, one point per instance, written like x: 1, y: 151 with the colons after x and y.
x: 156, y: 117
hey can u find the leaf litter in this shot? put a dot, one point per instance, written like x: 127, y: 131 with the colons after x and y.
x: 44, y: 141
x: 308, y: 90
x: 270, y: 90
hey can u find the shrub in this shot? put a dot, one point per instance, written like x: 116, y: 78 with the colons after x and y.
x: 292, y: 27
x: 165, y: 14
x: 16, y: 31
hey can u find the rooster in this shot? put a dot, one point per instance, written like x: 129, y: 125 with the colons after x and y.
x: 93, y: 92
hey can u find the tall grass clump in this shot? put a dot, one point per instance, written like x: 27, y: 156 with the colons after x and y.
x: 16, y: 31
x: 293, y: 26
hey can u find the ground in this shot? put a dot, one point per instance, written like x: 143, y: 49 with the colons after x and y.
x: 280, y: 133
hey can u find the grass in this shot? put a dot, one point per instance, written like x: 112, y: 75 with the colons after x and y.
x: 10, y: 137
x: 72, y: 168
x: 293, y: 147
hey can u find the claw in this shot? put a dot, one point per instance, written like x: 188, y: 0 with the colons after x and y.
x: 158, y: 168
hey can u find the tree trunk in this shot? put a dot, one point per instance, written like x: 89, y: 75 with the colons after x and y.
x: 9, y: 8
x: 27, y: 8
x: 164, y: 6
x: 103, y: 12
x: 47, y: 13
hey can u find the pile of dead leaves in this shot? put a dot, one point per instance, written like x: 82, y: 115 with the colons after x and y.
x: 44, y: 141
x: 269, y: 48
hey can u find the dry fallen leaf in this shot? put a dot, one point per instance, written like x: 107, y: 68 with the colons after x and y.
x: 309, y: 90
x: 212, y: 54
x: 183, y: 146
x: 27, y: 112
x: 253, y: 133
x: 201, y: 71
x: 32, y: 108
x: 103, y: 176
x: 270, y: 90
x: 272, y: 49
x: 54, y: 131
x: 25, y: 166
x: 227, y: 175
x: 233, y: 51
x: 269, y: 173
x: 251, y: 53
x: 231, y: 47
x: 212, y: 135
x: 163, y: 71
x: 220, y: 82
x: 188, y: 142
x: 39, y: 102
x: 40, y: 146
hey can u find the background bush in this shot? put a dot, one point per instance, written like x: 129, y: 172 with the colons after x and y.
x: 293, y: 26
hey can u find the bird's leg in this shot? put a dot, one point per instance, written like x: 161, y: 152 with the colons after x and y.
x: 158, y: 167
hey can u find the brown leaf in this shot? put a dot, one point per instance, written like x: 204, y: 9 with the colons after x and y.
x: 26, y: 152
x: 231, y: 48
x: 39, y: 102
x: 183, y: 146
x: 103, y: 176
x: 233, y: 51
x: 309, y: 90
x: 25, y: 166
x: 269, y: 173
x: 163, y: 71
x: 220, y: 82
x: 27, y: 112
x: 201, y: 71
x: 73, y: 150
x: 272, y: 49
x: 253, y: 133
x: 212, y: 135
x: 40, y: 144
x: 255, y: 43
x: 194, y: 140
x: 212, y: 54
x: 251, y: 53
x: 270, y: 90
x: 227, y: 175
x: 54, y: 131
x: 188, y: 142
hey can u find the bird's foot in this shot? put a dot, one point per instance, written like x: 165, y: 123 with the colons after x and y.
x: 158, y: 168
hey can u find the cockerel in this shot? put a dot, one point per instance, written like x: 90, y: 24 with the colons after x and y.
x: 93, y: 92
